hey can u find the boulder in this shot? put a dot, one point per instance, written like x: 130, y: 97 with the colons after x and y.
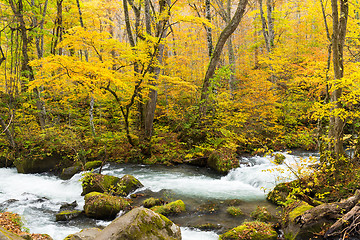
x: 85, y: 234
x: 279, y: 194
x: 151, y: 202
x: 69, y: 172
x: 251, y: 230
x: 221, y: 161
x: 39, y: 164
x: 94, y: 182
x: 67, y: 215
x: 103, y: 206
x: 140, y: 223
x: 170, y: 208
x: 92, y: 165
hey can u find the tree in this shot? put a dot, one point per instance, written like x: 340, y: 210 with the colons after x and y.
x: 336, y: 124
x: 225, y: 34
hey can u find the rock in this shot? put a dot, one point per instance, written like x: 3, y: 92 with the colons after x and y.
x: 69, y: 172
x: 170, y: 208
x: 6, y: 235
x: 103, y: 206
x: 208, y: 226
x: 5, y: 162
x: 251, y: 230
x: 67, y: 215
x: 40, y: 164
x: 279, y: 194
x: 68, y: 206
x: 85, y: 234
x: 151, y: 202
x: 92, y: 165
x: 140, y: 223
x: 94, y: 182
x: 220, y: 161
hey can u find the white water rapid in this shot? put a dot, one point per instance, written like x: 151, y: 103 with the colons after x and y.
x: 38, y: 197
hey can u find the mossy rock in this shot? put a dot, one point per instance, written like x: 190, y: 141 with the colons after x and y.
x: 67, y: 215
x: 69, y: 172
x: 234, y: 211
x: 94, y: 182
x: 38, y: 164
x: 92, y: 165
x: 251, y: 230
x: 208, y: 226
x: 103, y: 206
x: 220, y: 161
x: 261, y: 214
x: 170, y: 208
x: 151, y: 202
x: 141, y: 223
x: 85, y: 234
x: 279, y: 194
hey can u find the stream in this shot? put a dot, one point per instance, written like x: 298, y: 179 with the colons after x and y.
x: 38, y: 197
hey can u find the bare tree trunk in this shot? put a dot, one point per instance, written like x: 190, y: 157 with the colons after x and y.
x: 8, y: 133
x: 58, y: 29
x: 231, y: 53
x: 336, y: 124
x: 225, y: 34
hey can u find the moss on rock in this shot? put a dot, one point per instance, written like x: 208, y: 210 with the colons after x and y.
x: 94, y: 182
x: 151, y: 202
x: 279, y: 194
x: 170, y: 208
x: 234, y: 211
x: 141, y: 223
x: 103, y: 206
x: 69, y: 172
x: 92, y: 165
x: 67, y: 215
x: 300, y: 209
x: 251, y: 231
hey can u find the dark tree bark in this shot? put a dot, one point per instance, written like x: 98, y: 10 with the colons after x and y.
x: 58, y: 28
x: 225, y: 34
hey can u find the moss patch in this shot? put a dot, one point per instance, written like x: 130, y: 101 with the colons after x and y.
x: 151, y: 202
x: 92, y: 164
x: 103, y: 206
x: 251, y: 231
x: 234, y: 211
x: 300, y: 209
x: 170, y: 208
x: 261, y: 214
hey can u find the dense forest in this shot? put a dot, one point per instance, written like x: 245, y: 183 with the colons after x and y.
x: 173, y: 81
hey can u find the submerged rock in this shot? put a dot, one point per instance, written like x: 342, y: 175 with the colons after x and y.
x: 85, y: 234
x: 170, y: 208
x: 94, y: 182
x: 103, y: 206
x: 251, y: 230
x: 140, y: 223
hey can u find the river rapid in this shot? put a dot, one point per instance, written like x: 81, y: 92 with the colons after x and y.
x: 38, y: 197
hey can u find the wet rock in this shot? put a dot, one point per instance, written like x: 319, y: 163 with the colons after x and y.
x: 68, y: 206
x: 251, y: 230
x: 151, y: 202
x: 220, y: 161
x: 170, y: 208
x: 103, y: 206
x: 208, y: 227
x: 92, y: 165
x: 67, y: 215
x: 85, y: 234
x: 279, y: 194
x: 262, y: 214
x: 140, y: 223
x: 69, y: 172
x: 38, y: 164
x: 94, y: 182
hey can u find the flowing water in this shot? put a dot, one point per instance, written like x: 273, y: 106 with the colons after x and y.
x: 38, y: 197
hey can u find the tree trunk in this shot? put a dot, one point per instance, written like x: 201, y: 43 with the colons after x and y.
x: 336, y: 124
x: 8, y: 133
x: 225, y: 34
x: 208, y: 29
x: 58, y: 28
x: 231, y: 53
